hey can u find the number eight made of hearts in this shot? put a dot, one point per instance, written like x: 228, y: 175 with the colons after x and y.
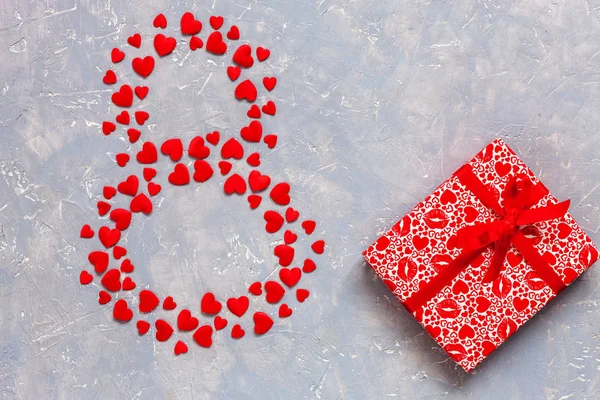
x: 199, y: 160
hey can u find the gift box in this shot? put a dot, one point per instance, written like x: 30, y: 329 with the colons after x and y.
x: 482, y: 254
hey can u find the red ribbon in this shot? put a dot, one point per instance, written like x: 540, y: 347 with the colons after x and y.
x: 519, y: 196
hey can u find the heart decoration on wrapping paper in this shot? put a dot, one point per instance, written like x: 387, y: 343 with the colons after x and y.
x: 194, y: 161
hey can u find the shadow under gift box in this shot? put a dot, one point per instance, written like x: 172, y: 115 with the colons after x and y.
x: 482, y: 254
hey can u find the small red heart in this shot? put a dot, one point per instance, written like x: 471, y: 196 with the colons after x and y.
x: 141, y: 92
x: 243, y: 56
x: 141, y: 203
x: 210, y: 305
x: 112, y: 280
x: 252, y: 132
x: 220, y: 323
x: 104, y: 297
x: 148, y: 301
x: 149, y: 174
x: 148, y: 154
x: 197, y: 149
x: 213, y: 137
x: 108, y: 192
x: 254, y: 200
x: 129, y: 186
x: 143, y: 327
x: 133, y: 135
x: 180, y: 348
x: 302, y: 294
x: 196, y: 43
x: 122, y: 159
x: 285, y: 253
x: 280, y: 194
x: 289, y: 237
x: 160, y: 21
x: 262, y: 54
x: 246, y: 90
x: 309, y: 266
x: 169, y: 304
x: 164, y: 45
x: 216, y: 22
x: 123, y: 118
x: 163, y: 330
x: 520, y: 304
x: 502, y: 168
x: 109, y: 237
x: 290, y: 276
x: 471, y: 214
x: 121, y: 311
x: 108, y: 127
x: 269, y: 82
x: 291, y: 215
x: 215, y: 44
x: 255, y: 288
x: 237, y: 332
x: 85, y: 278
x: 124, y: 97
x: 224, y: 167
x: 190, y: 25
x: 514, y: 259
x: 318, y: 246
x: 448, y: 197
x: 253, y: 112
x: 99, y: 259
x: 172, y: 148
x: 235, y: 184
x: 202, y: 171
x: 284, y: 311
x: 141, y: 117
x: 460, y: 287
x: 119, y: 252
x: 128, y: 284
x: 258, y: 182
x: 488, y: 348
x: 564, y: 230
x: 466, y: 332
x: 274, y: 221
x: 238, y: 306
x: 234, y: 33
x: 135, y: 40
x: 419, y: 242
x: 121, y: 217
x: 203, y: 336
x: 233, y: 73
x: 274, y: 292
x: 253, y: 160
x: 143, y: 66
x: 154, y: 189
x: 262, y: 323
x: 110, y: 78
x: 269, y: 108
x: 86, y: 232
x: 270, y: 140
x: 185, y: 321
x: 126, y: 266
x: 116, y: 55
x: 232, y: 149
x: 482, y: 304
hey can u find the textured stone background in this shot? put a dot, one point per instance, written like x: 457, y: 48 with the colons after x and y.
x: 378, y: 102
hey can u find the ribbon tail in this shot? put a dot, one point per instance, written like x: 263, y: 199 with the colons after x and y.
x: 498, y: 258
x: 537, y: 262
x: 545, y: 213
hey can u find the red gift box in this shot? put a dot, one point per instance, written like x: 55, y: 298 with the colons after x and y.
x: 482, y: 254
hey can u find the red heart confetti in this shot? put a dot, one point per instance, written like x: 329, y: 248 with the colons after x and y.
x: 169, y: 304
x: 133, y: 135
x: 238, y: 306
x: 253, y: 112
x: 110, y: 78
x: 253, y: 160
x: 274, y: 292
x: 135, y: 40
x: 164, y: 45
x: 190, y: 25
x: 197, y: 149
x: 148, y: 154
x: 129, y: 186
x: 318, y: 246
x: 290, y: 276
x: 172, y: 148
x: 269, y: 108
x: 274, y: 221
x: 309, y: 266
x: 280, y: 194
x: 85, y: 278
x: 289, y: 237
x: 122, y: 159
x: 112, y: 280
x: 254, y: 200
x: 258, y: 182
x: 116, y: 55
x: 148, y: 301
x: 256, y: 288
x: 269, y: 82
x: 109, y: 237
x: 224, y: 167
x: 237, y: 332
x: 202, y: 171
x: 122, y: 312
x: 180, y: 348
x: 210, y: 305
x: 86, y: 232
x: 215, y: 44
x: 252, y: 132
x: 270, y: 140
x: 143, y: 327
x: 128, y: 284
x: 141, y: 203
x: 203, y: 336
x: 246, y: 91
x: 220, y: 323
x: 143, y: 66
x: 126, y: 266
x: 160, y: 21
x: 284, y: 311
x: 232, y: 149
x: 163, y: 330
x: 196, y: 43
x: 141, y: 117
x: 186, y: 322
x: 108, y: 127
x: 235, y: 184
x: 291, y: 215
x: 262, y: 54
x: 234, y: 33
x: 141, y: 92
x: 153, y: 189
x: 119, y: 252
x: 124, y: 97
x: 216, y: 22
x: 123, y: 118
x: 213, y: 138
x: 243, y: 56
x: 302, y: 294
x: 149, y: 174
x: 99, y: 259
x: 233, y: 73
x: 108, y: 192
x: 285, y: 253
x: 103, y: 208
x: 104, y: 297
x: 262, y: 323
x: 121, y: 217
x: 309, y: 226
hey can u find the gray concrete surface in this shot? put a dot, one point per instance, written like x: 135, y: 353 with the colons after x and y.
x: 378, y: 102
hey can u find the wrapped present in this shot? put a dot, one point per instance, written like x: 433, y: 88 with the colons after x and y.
x: 482, y: 254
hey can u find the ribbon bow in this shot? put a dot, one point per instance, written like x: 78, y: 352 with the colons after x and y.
x: 518, y: 197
